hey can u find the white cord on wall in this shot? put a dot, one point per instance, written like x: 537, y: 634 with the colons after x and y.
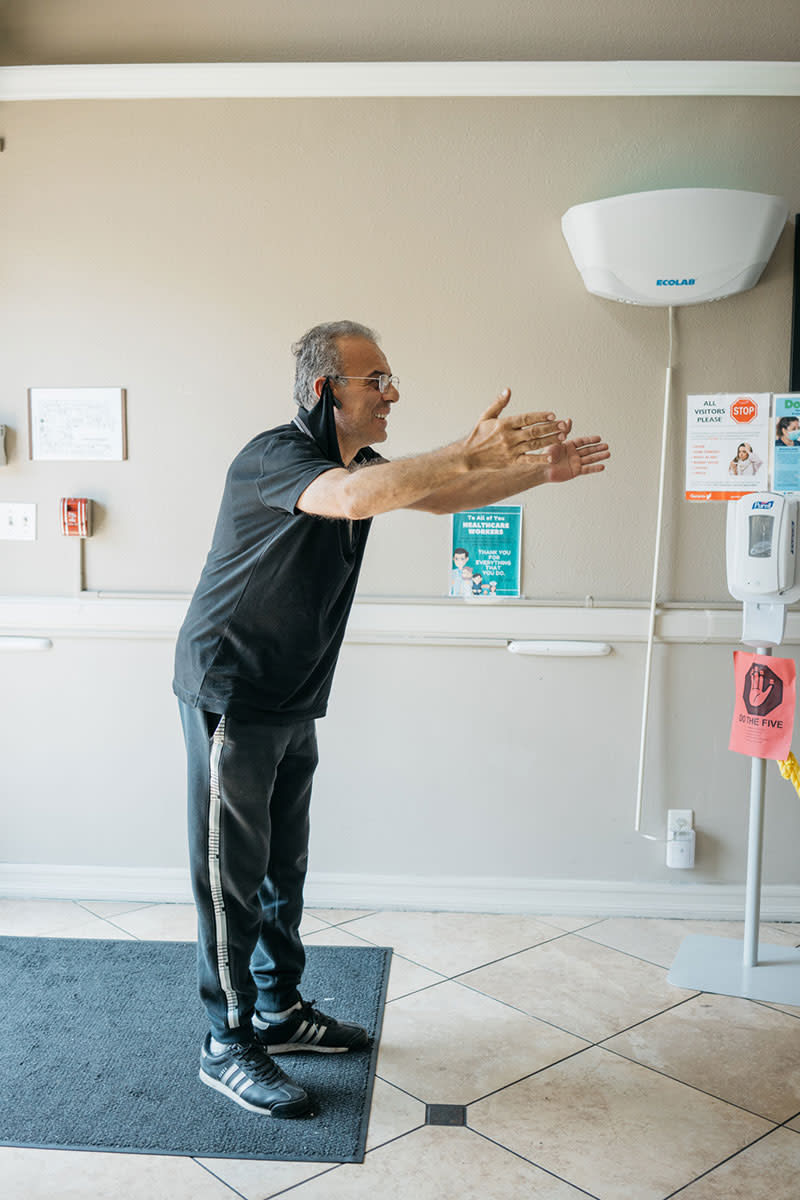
x: 653, y: 591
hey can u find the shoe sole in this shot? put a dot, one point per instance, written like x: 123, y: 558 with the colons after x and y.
x: 298, y: 1047
x: 291, y: 1108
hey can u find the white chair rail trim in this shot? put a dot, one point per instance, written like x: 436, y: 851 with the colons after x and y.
x: 388, y: 621
x: 296, y: 80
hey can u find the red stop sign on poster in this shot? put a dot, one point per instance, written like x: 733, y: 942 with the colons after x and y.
x: 744, y: 409
x: 763, y: 714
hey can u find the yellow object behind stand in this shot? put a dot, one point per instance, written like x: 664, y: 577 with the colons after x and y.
x: 790, y: 769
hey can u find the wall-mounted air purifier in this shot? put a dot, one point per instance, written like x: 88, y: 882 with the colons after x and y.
x: 674, y: 247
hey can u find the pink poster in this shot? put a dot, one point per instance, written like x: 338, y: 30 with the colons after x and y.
x: 763, y: 714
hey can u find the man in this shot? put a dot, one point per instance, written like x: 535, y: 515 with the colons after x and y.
x: 460, y: 557
x: 254, y: 665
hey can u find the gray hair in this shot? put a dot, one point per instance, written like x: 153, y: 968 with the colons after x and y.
x: 317, y: 354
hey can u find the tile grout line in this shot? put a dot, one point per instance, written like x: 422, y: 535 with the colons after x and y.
x: 694, y: 1087
x: 405, y: 1092
x: 721, y: 1163
x: 302, y: 1182
x: 770, y: 1004
x: 557, y: 936
x: 213, y: 1175
x: 652, y: 1016
x: 561, y: 1028
x: 599, y: 1045
x: 457, y: 977
x: 397, y: 1138
x: 531, y: 1074
x: 514, y: 954
x: 113, y: 924
x: 313, y: 912
x: 530, y: 1161
x: 531, y: 1016
x: 638, y: 957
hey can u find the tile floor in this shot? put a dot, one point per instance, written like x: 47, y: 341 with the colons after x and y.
x: 573, y: 1067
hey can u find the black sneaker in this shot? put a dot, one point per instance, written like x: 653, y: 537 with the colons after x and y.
x: 306, y: 1028
x: 249, y: 1077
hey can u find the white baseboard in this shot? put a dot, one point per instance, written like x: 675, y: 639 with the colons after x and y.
x: 573, y: 897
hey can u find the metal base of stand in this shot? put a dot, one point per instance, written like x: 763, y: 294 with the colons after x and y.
x: 747, y: 968
x: 715, y: 964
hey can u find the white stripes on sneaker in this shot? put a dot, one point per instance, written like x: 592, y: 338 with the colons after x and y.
x: 308, y: 1033
x: 234, y: 1089
x: 234, y: 1078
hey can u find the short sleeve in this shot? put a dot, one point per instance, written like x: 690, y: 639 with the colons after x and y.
x: 289, y: 462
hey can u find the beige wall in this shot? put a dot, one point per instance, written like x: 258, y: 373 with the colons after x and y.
x: 78, y: 31
x: 176, y: 249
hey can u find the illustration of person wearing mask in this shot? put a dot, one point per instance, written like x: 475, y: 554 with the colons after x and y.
x: 786, y: 431
x: 746, y: 462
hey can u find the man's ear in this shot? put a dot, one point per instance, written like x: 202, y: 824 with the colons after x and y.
x: 319, y: 388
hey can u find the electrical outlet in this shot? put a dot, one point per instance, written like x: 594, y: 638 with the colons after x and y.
x: 679, y: 820
x: 680, y: 837
x: 18, y: 522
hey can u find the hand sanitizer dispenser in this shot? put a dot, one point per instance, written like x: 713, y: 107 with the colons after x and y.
x: 761, y: 546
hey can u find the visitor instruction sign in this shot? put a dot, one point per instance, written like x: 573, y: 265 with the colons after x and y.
x: 485, y: 552
x: 727, y: 445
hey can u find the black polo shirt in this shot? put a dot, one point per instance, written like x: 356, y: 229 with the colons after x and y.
x: 263, y: 631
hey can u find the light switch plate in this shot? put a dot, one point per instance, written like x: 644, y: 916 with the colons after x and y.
x: 18, y: 522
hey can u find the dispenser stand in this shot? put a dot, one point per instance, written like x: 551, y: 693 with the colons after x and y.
x: 745, y: 968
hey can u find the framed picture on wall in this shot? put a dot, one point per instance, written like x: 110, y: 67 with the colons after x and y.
x: 77, y: 424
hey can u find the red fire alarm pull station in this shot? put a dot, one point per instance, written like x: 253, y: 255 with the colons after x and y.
x: 76, y: 517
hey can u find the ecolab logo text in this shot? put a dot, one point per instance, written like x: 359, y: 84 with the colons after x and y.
x: 675, y: 282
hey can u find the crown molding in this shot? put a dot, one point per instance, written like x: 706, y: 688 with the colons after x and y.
x: 253, y: 80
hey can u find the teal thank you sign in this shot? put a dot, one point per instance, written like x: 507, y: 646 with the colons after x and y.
x: 485, y: 552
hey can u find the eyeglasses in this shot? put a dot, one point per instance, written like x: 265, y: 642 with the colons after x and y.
x: 379, y: 382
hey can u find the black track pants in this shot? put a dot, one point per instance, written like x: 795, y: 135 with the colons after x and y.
x: 249, y: 794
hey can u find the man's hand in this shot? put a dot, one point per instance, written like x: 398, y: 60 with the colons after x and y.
x: 581, y: 456
x: 497, y: 442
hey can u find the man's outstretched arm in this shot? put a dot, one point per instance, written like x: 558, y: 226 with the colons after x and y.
x: 562, y: 462
x: 496, y: 443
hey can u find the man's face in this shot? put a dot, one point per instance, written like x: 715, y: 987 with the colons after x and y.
x: 362, y: 418
x: 459, y: 560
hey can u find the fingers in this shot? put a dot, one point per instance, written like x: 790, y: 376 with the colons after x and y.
x: 498, y: 440
x: 592, y: 449
x: 494, y: 409
x: 537, y: 431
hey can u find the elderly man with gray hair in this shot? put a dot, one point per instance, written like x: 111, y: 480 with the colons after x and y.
x: 254, y: 665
